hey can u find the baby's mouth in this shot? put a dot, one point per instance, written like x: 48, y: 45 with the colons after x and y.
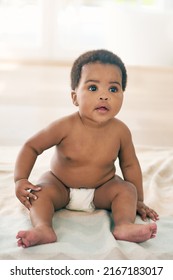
x: 102, y: 109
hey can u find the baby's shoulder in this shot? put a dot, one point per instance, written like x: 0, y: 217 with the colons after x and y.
x: 64, y: 122
x: 121, y: 129
x: 120, y: 124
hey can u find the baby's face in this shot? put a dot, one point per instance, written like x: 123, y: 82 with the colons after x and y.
x: 99, y: 94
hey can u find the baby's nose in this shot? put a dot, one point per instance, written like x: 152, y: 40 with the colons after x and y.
x: 104, y: 98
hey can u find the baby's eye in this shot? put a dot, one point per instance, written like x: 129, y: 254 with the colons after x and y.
x: 92, y: 88
x: 113, y: 89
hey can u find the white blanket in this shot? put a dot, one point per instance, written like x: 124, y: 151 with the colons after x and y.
x: 88, y: 235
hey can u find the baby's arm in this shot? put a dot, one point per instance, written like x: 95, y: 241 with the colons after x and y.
x: 24, y: 164
x: 43, y: 140
x: 132, y: 173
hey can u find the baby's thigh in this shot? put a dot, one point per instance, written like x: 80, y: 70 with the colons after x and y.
x: 53, y: 189
x: 105, y: 194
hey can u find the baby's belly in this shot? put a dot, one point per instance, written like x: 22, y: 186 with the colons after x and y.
x: 86, y: 177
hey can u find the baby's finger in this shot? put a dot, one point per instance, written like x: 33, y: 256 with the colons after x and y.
x: 152, y: 215
x: 155, y: 215
x: 143, y: 214
x: 27, y: 204
x: 32, y: 196
x: 35, y: 188
x: 144, y: 217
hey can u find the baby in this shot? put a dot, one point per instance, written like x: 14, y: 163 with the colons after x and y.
x: 87, y: 143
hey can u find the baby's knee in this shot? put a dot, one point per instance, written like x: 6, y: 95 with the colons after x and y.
x: 42, y: 193
x: 131, y: 188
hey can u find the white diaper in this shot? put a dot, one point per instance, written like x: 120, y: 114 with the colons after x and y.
x: 81, y: 200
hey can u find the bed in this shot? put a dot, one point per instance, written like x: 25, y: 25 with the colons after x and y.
x: 88, y: 235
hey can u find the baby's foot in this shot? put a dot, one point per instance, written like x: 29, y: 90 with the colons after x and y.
x: 135, y: 232
x: 36, y: 236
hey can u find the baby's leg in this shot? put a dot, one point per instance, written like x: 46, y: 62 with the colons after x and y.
x: 53, y: 196
x: 121, y: 197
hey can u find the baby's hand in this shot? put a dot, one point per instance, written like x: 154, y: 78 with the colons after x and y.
x: 23, y: 193
x: 146, y: 212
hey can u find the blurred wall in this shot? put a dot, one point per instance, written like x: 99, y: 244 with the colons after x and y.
x: 57, y: 30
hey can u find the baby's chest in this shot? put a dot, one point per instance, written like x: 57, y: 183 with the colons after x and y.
x: 90, y: 150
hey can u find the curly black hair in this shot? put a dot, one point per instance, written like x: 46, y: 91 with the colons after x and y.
x: 102, y: 56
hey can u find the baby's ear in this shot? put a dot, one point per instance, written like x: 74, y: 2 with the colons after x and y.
x: 74, y: 98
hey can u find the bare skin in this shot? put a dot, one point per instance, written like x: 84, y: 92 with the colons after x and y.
x: 99, y: 97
